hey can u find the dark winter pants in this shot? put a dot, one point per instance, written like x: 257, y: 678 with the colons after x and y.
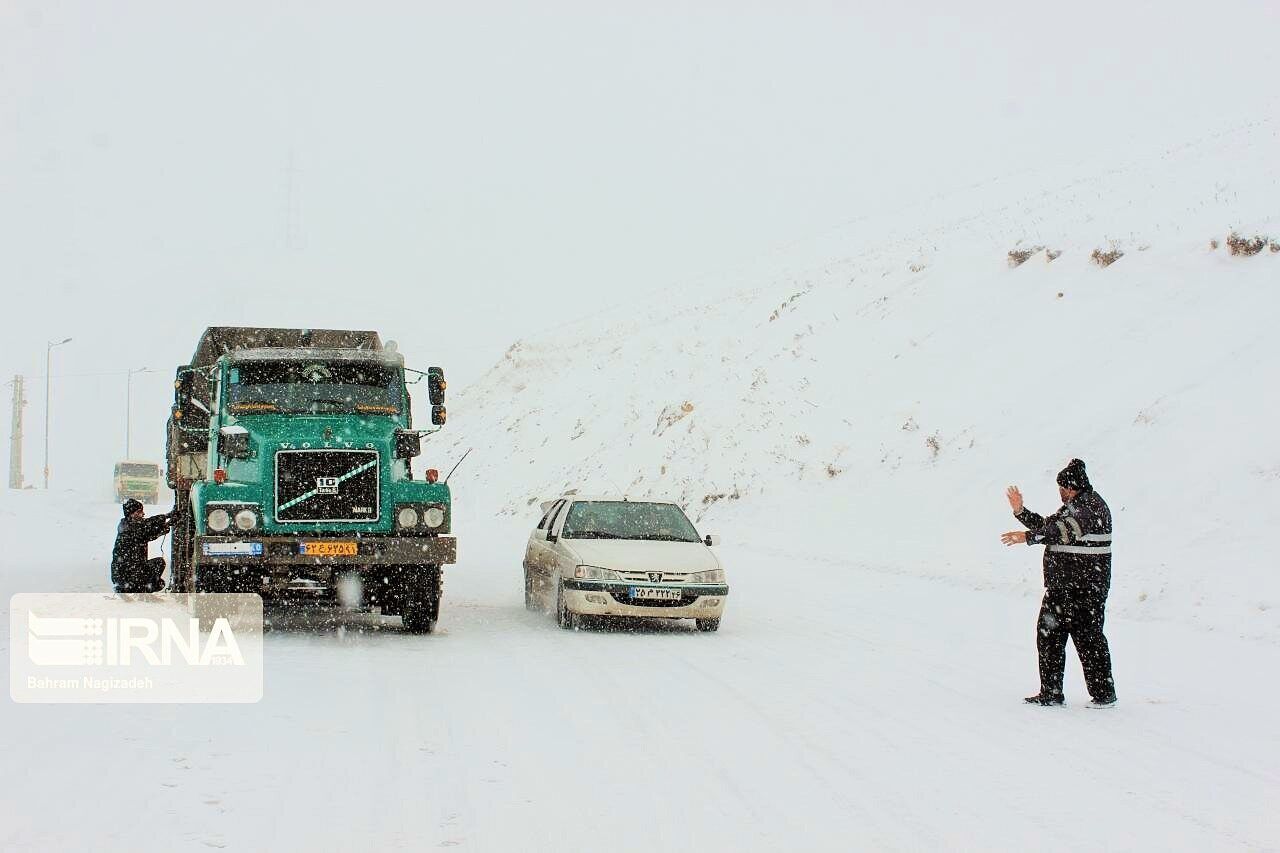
x: 1078, y: 614
x: 144, y: 578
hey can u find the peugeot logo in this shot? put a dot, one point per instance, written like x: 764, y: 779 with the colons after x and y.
x: 655, y: 577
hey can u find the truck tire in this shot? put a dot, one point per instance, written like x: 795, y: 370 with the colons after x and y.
x: 707, y: 625
x: 182, y: 545
x: 421, y: 599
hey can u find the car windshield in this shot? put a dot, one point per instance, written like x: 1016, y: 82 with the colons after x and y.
x: 628, y: 520
x: 313, y: 387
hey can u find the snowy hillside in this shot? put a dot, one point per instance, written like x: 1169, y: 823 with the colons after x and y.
x: 871, y: 408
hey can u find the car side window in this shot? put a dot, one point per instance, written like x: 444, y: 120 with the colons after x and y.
x: 542, y: 525
x: 555, y: 515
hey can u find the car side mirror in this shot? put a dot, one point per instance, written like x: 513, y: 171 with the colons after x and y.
x: 438, y: 415
x: 712, y: 540
x: 233, y: 442
x: 408, y: 444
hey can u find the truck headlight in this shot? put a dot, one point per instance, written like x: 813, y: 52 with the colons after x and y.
x: 434, y: 516
x: 595, y: 573
x: 712, y: 576
x: 246, y: 520
x: 218, y: 520
x: 407, y: 518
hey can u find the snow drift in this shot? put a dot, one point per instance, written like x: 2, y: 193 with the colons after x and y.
x: 870, y: 409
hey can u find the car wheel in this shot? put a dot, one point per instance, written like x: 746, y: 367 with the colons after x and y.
x: 707, y: 624
x: 565, y: 617
x: 530, y: 596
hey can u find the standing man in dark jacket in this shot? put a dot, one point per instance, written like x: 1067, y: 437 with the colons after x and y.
x: 131, y: 571
x: 1077, y: 578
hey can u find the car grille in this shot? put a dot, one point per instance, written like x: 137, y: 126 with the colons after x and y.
x: 685, y: 600
x: 664, y: 577
x: 326, y: 485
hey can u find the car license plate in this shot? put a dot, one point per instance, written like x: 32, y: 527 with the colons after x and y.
x: 327, y: 549
x: 643, y: 593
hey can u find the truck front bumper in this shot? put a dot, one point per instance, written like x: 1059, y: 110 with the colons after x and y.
x: 371, y: 551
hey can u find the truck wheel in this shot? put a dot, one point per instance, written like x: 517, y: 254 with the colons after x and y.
x: 707, y: 625
x: 417, y: 619
x: 565, y: 617
x: 530, y: 595
x: 182, y: 546
x: 421, y: 599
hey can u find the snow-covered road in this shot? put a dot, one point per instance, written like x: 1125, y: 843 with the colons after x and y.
x: 839, y: 707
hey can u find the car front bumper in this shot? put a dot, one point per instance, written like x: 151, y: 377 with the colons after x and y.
x: 614, y: 598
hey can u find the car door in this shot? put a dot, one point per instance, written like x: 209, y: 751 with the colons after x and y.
x: 557, y: 553
x: 539, y: 556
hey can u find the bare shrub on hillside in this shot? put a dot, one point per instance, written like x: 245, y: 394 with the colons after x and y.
x: 1018, y: 257
x: 1213, y: 245
x: 1245, y: 245
x: 1052, y: 255
x: 934, y: 443
x: 670, y: 414
x: 1275, y: 247
x: 1107, y: 258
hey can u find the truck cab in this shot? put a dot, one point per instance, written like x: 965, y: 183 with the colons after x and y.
x: 291, y: 452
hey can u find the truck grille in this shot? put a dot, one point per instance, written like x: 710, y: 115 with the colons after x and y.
x: 326, y: 485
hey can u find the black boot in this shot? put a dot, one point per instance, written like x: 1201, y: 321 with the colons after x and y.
x: 1043, y: 698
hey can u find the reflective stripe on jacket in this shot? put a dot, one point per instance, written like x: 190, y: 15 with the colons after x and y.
x: 1078, y: 542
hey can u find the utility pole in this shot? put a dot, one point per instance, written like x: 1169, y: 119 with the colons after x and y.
x: 48, y: 388
x: 128, y: 410
x: 15, y: 435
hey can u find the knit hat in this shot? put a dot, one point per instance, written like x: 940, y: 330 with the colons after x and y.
x: 1074, y: 477
x: 131, y: 506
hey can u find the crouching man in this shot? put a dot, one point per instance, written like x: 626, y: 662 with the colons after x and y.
x: 131, y: 571
x: 1077, y: 578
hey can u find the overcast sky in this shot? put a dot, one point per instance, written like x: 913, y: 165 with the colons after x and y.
x: 461, y: 175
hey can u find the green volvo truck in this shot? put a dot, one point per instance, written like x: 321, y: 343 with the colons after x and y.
x: 290, y: 454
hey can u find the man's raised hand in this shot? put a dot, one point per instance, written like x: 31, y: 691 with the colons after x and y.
x: 1014, y: 537
x: 1015, y: 499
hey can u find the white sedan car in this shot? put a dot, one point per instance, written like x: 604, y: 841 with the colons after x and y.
x: 610, y: 557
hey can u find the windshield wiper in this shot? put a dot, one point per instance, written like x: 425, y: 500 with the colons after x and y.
x: 666, y: 539
x: 593, y: 534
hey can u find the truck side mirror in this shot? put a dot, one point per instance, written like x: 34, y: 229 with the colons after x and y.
x: 438, y: 415
x: 233, y: 442
x: 408, y: 444
x: 436, y: 386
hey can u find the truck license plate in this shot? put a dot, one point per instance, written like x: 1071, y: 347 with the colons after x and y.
x: 644, y: 592
x: 327, y: 549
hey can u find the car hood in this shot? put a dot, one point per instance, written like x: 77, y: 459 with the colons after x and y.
x: 643, y: 556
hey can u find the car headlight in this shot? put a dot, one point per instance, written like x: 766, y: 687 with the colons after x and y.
x: 218, y: 520
x: 246, y: 520
x: 433, y: 517
x: 711, y: 576
x: 595, y: 573
x: 407, y: 517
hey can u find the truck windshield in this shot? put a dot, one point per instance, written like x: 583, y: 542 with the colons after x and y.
x: 313, y: 387
x: 628, y: 520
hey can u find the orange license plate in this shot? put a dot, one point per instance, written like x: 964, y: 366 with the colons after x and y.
x: 328, y: 549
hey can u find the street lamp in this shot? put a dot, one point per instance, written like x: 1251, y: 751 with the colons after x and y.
x: 128, y: 410
x: 48, y: 385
